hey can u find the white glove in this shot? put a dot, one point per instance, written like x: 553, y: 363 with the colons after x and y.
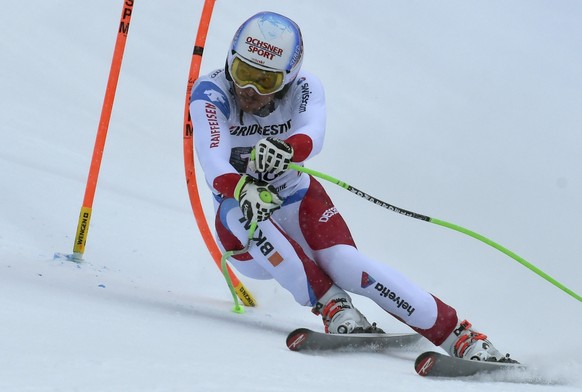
x: 257, y: 199
x: 271, y: 155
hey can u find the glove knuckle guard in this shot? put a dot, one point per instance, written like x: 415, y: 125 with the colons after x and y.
x: 272, y: 155
x: 257, y: 200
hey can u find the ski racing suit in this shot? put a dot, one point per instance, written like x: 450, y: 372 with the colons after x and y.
x: 306, y: 245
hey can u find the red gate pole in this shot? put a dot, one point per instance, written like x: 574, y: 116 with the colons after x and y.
x: 87, y: 207
x: 189, y: 165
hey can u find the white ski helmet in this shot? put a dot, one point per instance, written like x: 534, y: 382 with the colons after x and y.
x: 270, y: 42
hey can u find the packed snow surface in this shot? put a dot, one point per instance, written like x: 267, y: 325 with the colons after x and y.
x: 466, y: 111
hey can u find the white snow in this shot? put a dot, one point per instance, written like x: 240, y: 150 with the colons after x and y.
x: 467, y: 111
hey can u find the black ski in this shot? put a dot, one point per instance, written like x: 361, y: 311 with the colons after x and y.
x: 433, y: 364
x: 304, y: 339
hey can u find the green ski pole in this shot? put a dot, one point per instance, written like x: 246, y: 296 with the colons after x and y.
x: 439, y: 222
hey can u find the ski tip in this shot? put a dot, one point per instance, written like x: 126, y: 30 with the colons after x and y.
x: 424, y: 363
x: 296, y: 339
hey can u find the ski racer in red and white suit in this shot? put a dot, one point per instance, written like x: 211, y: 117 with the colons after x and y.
x: 305, y: 244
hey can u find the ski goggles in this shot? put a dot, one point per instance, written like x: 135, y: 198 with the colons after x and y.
x: 264, y: 82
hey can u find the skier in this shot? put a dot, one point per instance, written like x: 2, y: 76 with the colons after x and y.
x: 251, y: 119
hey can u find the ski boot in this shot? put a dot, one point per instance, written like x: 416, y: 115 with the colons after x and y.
x: 340, y: 316
x: 466, y: 343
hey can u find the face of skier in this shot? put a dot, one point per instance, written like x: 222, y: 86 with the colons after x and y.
x: 249, y: 100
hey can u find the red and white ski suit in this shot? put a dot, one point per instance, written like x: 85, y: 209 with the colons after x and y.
x: 306, y: 245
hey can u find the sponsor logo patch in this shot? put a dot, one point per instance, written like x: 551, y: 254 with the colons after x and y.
x: 275, y: 259
x: 367, y: 280
x: 327, y: 214
x: 386, y: 292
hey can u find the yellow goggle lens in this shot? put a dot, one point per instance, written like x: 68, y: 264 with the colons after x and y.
x: 265, y: 82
